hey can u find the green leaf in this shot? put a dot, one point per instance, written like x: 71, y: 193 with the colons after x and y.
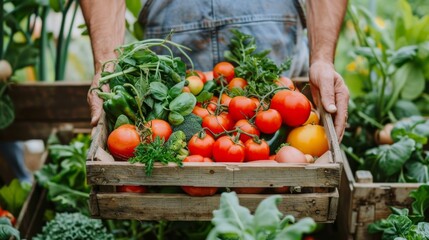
x: 404, y: 54
x: 176, y: 90
x: 183, y: 104
x: 13, y: 196
x: 404, y: 109
x: 418, y: 171
x: 134, y: 6
x: 231, y: 213
x: 204, y: 96
x: 122, y: 119
x: 423, y: 51
x: 7, y: 111
x: 7, y: 230
x: 267, y: 215
x: 423, y: 229
x: 158, y: 90
x: 391, y: 158
x: 175, y: 118
x: 415, y: 84
x: 421, y: 200
x: 295, y: 231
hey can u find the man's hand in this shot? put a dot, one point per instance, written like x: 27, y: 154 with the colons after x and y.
x: 334, y: 94
x: 95, y: 103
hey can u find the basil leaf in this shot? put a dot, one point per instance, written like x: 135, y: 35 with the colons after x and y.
x: 183, y: 104
x: 158, y: 90
x: 176, y: 90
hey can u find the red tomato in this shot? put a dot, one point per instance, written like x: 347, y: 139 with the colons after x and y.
x: 246, y: 127
x: 237, y: 83
x: 226, y: 150
x: 268, y: 121
x: 212, y: 105
x: 242, y: 107
x: 294, y: 107
x: 195, y: 84
x: 248, y: 190
x: 7, y: 214
x: 285, y: 82
x: 201, y: 144
x: 201, y: 112
x: 197, y: 73
x: 159, y: 128
x: 208, y: 75
x: 224, y: 69
x: 216, y: 124
x: 198, y: 191
x: 225, y: 100
x: 256, y: 151
x: 122, y: 141
x: 131, y: 188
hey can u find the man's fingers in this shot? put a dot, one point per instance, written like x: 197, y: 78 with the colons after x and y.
x: 342, y: 100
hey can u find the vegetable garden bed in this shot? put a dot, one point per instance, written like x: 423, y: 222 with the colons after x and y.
x: 363, y: 202
x: 318, y: 182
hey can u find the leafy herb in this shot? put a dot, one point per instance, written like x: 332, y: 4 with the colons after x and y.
x: 65, y: 176
x: 13, y: 196
x: 259, y: 70
x: 402, y: 225
x: 7, y: 230
x: 154, y: 151
x: 232, y: 221
x: 73, y: 226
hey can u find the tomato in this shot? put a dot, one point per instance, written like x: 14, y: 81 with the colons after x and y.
x: 248, y: 190
x: 216, y: 124
x: 309, y: 139
x: 281, y: 190
x: 197, y: 73
x: 272, y: 157
x: 313, y: 118
x: 195, y: 84
x: 285, y: 82
x: 131, y: 188
x: 201, y: 144
x: 198, y: 191
x: 246, y: 127
x: 208, y: 75
x: 294, y: 107
x: 186, y: 89
x: 256, y: 151
x: 224, y: 69
x: 225, y: 99
x: 237, y: 83
x: 226, y: 150
x: 268, y: 121
x: 159, y: 128
x: 241, y: 107
x: 122, y: 141
x: 289, y: 154
x: 212, y: 105
x: 201, y: 112
x: 7, y: 214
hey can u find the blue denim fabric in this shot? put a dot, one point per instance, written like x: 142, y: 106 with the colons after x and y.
x: 204, y: 26
x: 13, y: 153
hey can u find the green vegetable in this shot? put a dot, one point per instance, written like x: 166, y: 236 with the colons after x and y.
x: 118, y: 102
x: 177, y: 143
x: 7, y: 230
x: 155, y: 151
x: 259, y: 70
x: 122, y: 119
x: 73, y: 226
x: 65, y: 176
x: 190, y: 126
x: 276, y: 139
x: 232, y: 221
x: 402, y: 225
x: 183, y: 104
x: 13, y: 196
x: 175, y: 118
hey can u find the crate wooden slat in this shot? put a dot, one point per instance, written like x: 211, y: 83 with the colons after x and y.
x: 103, y: 174
x: 182, y: 207
x: 363, y: 202
x: 41, y: 107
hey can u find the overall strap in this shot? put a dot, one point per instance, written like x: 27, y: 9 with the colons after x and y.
x: 301, y: 12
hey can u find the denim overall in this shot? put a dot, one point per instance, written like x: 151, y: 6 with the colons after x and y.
x: 204, y: 26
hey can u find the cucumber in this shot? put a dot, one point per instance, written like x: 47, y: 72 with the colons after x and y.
x: 276, y: 139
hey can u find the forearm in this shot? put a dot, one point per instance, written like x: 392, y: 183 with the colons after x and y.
x: 324, y: 19
x: 105, y: 20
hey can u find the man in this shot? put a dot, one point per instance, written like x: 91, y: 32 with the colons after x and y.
x: 204, y: 26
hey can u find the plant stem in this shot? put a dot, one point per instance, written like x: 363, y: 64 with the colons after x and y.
x: 64, y: 50
x: 43, y: 45
x: 1, y: 30
x: 60, y: 52
x: 103, y: 80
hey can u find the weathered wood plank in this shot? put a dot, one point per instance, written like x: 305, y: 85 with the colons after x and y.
x: 214, y: 174
x: 186, y: 208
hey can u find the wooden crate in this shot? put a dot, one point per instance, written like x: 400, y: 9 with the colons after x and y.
x: 363, y: 202
x: 103, y: 174
x: 31, y: 217
x: 41, y: 107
